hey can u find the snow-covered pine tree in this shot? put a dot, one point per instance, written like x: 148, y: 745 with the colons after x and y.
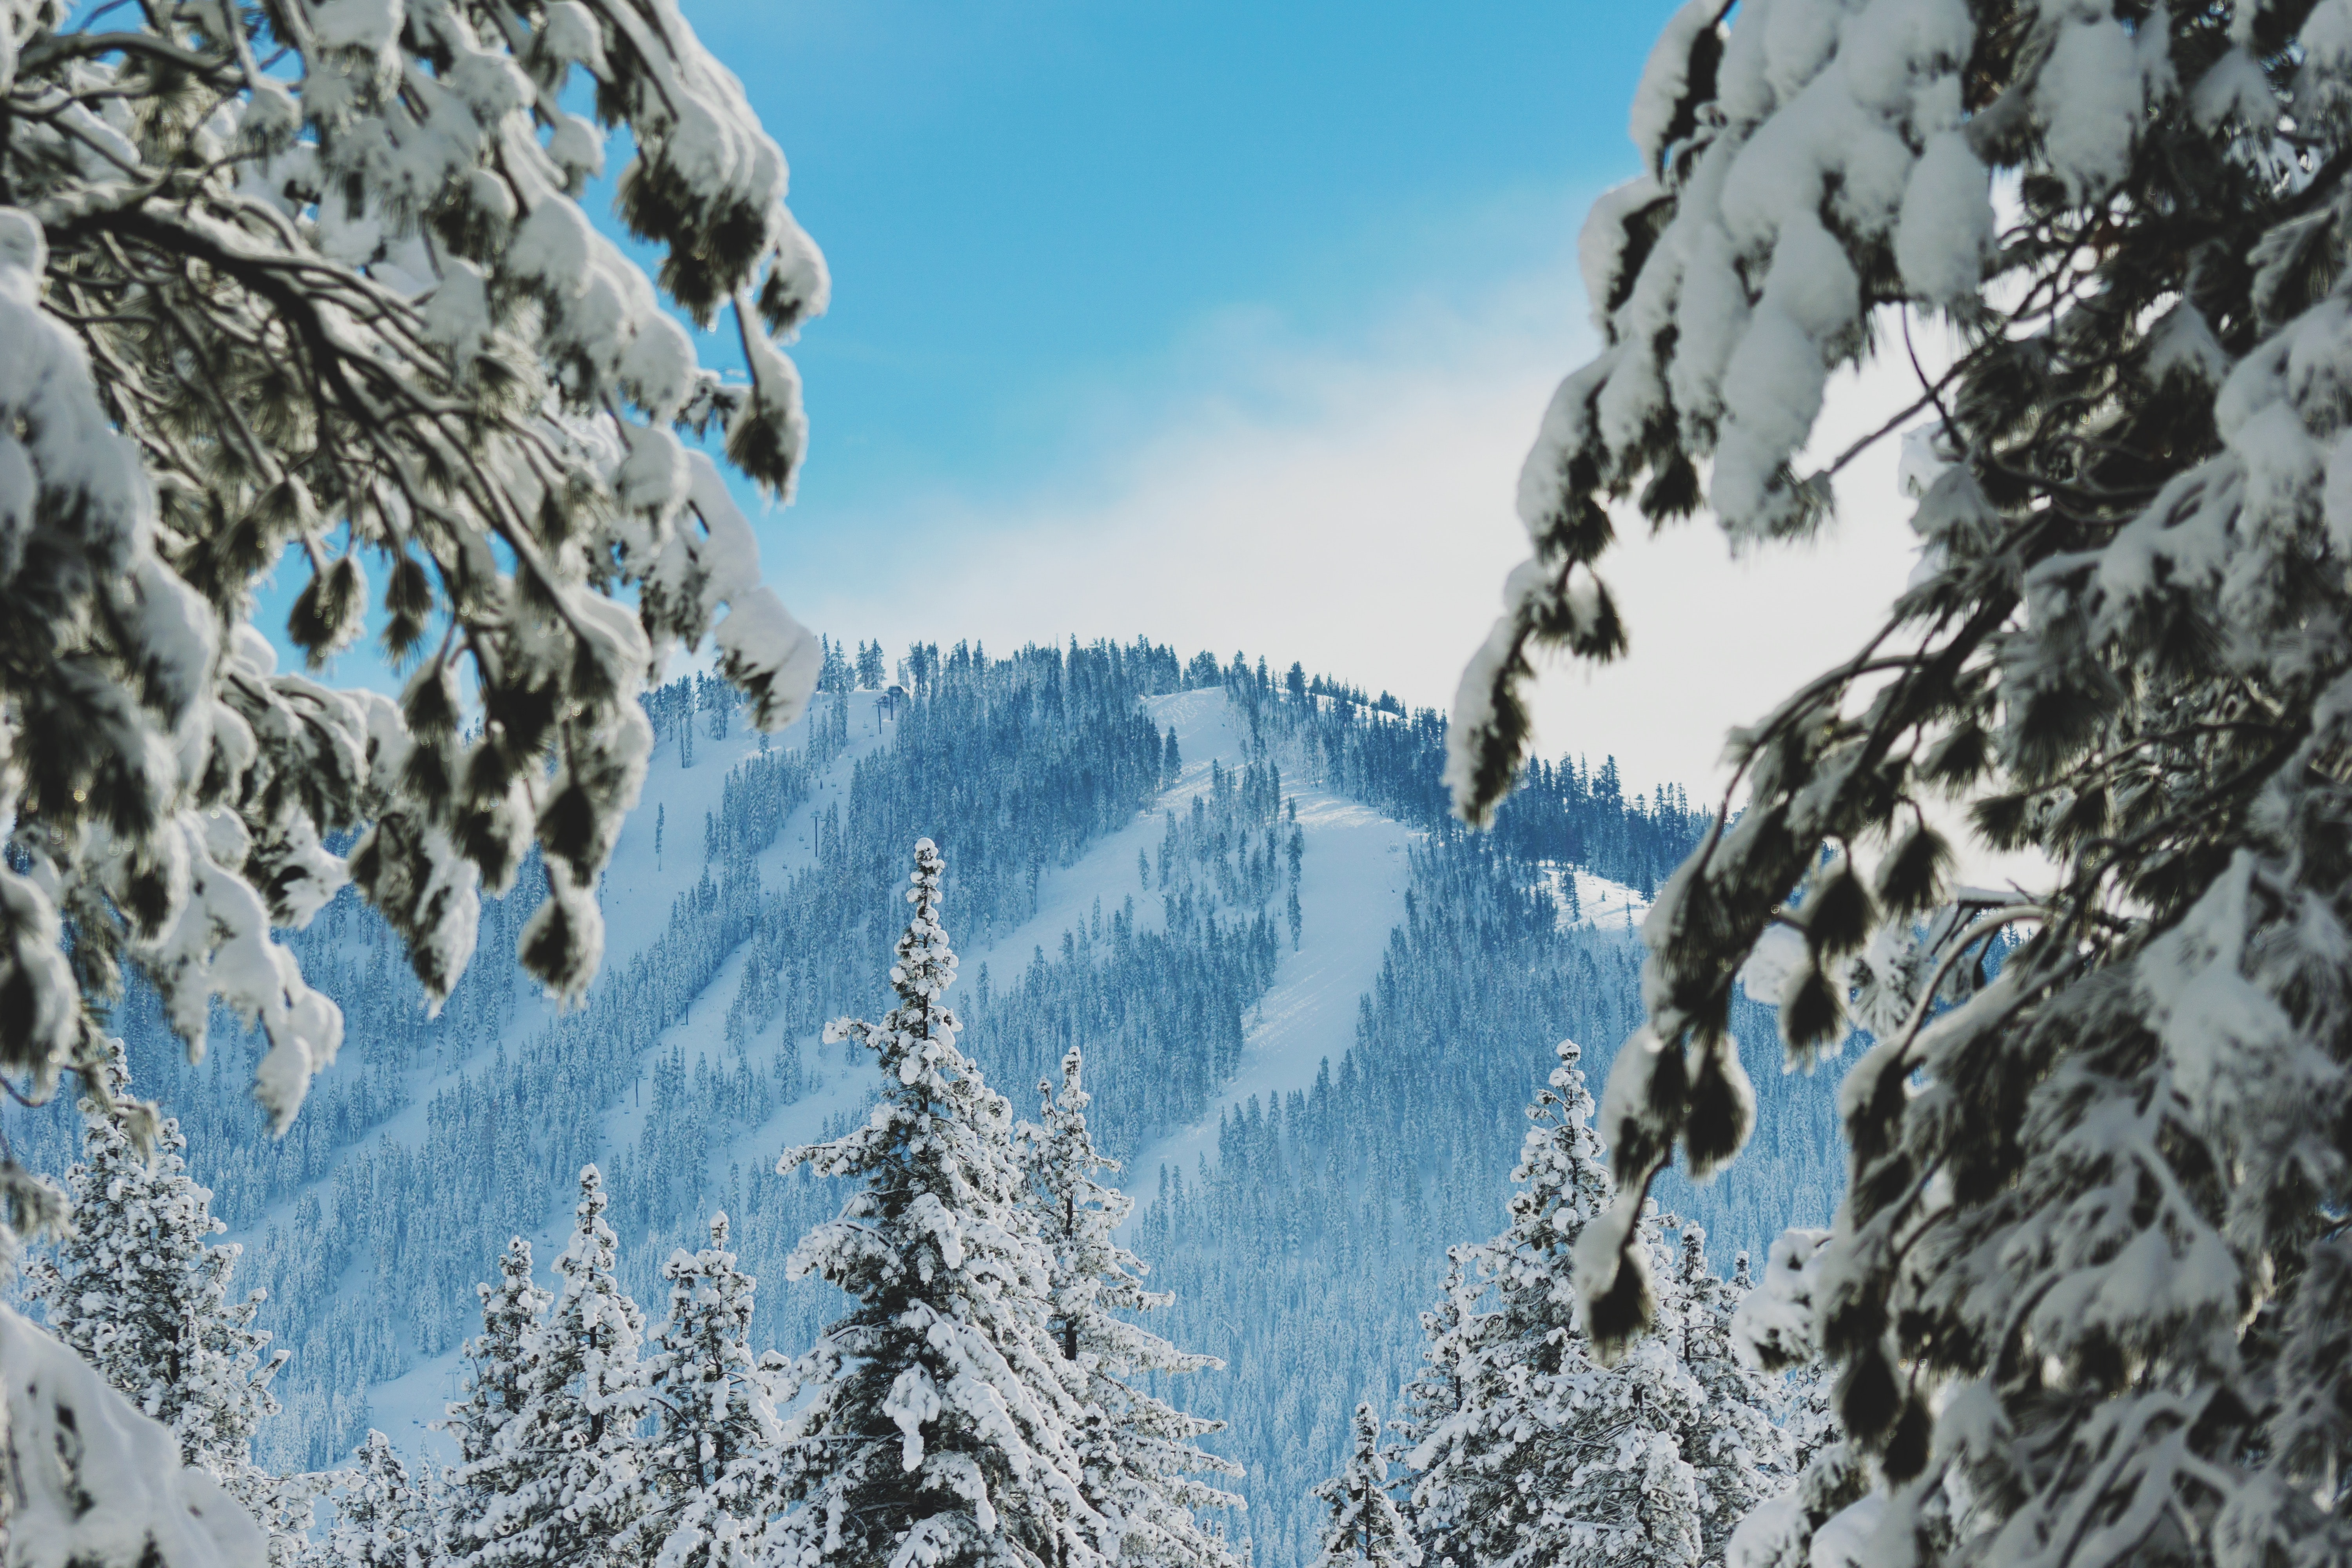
x: 1733, y: 1440
x: 1773, y: 1326
x: 381, y: 1518
x: 714, y: 1459
x: 582, y: 1498
x: 940, y: 1415
x: 493, y: 1467
x: 313, y: 282
x: 2095, y: 1213
x: 140, y: 1290
x: 1546, y: 1459
x: 1453, y: 1330
x: 1142, y: 1454
x: 436, y: 1493
x: 1366, y: 1529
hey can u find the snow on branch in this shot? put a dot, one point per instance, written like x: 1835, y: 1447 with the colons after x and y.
x: 91, y: 1480
x: 309, y: 286
x: 316, y: 278
x: 2093, y: 1226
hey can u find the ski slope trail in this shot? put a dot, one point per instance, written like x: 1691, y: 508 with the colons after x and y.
x: 1351, y: 892
x: 1352, y: 895
x: 1354, y: 872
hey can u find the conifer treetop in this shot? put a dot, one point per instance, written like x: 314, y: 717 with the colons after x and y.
x: 718, y: 1446
x: 1526, y: 1450
x: 502, y: 1363
x: 939, y: 1416
x: 562, y: 1484
x: 1083, y: 1214
x: 1562, y: 1185
x: 383, y: 1518
x: 513, y: 1311
x: 592, y: 1319
x: 1366, y: 1529
x: 1143, y: 1465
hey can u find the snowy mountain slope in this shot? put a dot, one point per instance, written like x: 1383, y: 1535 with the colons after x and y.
x: 1586, y: 899
x: 1351, y: 893
x: 641, y: 885
x: 1099, y: 895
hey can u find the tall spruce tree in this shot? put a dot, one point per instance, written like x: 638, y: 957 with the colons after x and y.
x: 140, y: 1290
x: 584, y: 1399
x: 1526, y: 1450
x: 715, y: 1457
x: 940, y: 1415
x: 2095, y: 1217
x: 1453, y: 1334
x: 1732, y: 1437
x: 1142, y: 1454
x: 383, y: 1520
x: 1366, y: 1529
x: 493, y: 1466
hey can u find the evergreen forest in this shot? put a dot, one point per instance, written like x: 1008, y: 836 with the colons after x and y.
x: 1301, y: 1241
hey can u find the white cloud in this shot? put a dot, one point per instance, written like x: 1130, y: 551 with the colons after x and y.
x: 1353, y: 510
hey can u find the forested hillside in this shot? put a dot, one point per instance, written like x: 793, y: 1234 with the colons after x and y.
x: 1312, y: 1012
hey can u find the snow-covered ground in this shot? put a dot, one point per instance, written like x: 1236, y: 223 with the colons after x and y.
x: 1350, y: 893
x: 1599, y: 903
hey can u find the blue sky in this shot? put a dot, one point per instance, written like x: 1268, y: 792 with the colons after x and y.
x: 1230, y: 325
x: 1034, y: 212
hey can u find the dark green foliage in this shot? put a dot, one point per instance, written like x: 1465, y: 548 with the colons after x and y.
x: 326, y: 613
x: 1812, y: 1015
x: 1721, y: 1111
x: 2089, y: 1191
x: 1911, y: 878
x: 430, y: 705
x: 758, y: 443
x: 1837, y: 913
x: 408, y: 601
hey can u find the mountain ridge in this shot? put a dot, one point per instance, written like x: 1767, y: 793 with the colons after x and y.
x: 694, y: 1062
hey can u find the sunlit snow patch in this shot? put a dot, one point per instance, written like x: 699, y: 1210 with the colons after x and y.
x: 1598, y: 902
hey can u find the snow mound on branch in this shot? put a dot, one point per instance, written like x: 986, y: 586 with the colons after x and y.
x: 96, y: 1481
